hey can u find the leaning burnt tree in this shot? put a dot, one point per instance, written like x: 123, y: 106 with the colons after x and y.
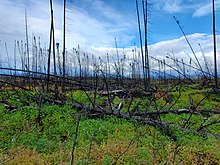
x: 52, y: 40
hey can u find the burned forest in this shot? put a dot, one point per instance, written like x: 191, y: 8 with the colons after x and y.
x: 62, y: 105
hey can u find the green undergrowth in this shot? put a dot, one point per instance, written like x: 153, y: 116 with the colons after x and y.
x: 26, y: 140
x: 202, y: 99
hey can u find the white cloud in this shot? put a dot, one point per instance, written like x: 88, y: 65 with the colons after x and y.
x: 12, y: 24
x: 178, y: 47
x: 206, y: 8
x: 89, y: 27
x: 170, y: 6
x: 173, y: 6
x: 99, y: 25
x: 203, y: 10
x: 94, y: 33
x: 199, y: 8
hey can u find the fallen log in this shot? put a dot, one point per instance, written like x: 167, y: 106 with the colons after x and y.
x: 178, y: 111
x: 143, y: 117
x: 8, y: 106
x: 115, y: 92
x: 13, y: 84
x: 164, y: 127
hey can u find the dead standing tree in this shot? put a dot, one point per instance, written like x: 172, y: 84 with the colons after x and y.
x: 26, y: 28
x: 145, y: 56
x: 214, y: 44
x: 52, y: 40
x: 146, y: 53
x: 64, y: 43
x: 140, y: 35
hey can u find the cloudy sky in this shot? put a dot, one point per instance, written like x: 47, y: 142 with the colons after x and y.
x: 93, y: 24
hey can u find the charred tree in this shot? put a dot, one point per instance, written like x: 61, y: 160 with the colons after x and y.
x: 64, y: 43
x: 214, y: 44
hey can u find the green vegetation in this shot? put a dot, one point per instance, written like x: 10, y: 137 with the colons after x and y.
x: 26, y: 140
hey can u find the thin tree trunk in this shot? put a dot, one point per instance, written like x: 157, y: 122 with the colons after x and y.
x: 75, y: 138
x: 142, y: 53
x: 146, y: 60
x: 64, y: 43
x: 28, y: 54
x: 214, y: 44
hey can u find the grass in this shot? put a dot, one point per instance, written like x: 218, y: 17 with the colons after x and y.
x: 102, y: 141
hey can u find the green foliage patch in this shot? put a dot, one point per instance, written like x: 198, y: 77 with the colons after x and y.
x: 103, y: 140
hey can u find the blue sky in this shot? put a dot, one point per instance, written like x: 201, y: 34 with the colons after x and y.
x: 116, y: 18
x: 120, y: 16
x: 93, y: 24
